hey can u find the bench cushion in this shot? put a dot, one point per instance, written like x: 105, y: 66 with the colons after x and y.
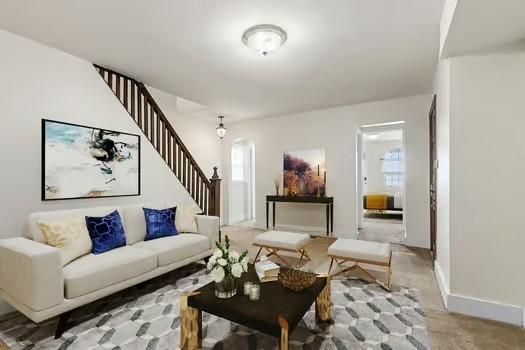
x: 93, y: 272
x: 281, y: 239
x: 361, y: 250
x: 175, y: 248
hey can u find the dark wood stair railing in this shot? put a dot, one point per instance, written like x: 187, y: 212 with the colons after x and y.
x: 141, y: 106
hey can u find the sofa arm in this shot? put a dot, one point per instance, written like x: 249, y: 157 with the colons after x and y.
x: 209, y: 226
x: 31, y: 272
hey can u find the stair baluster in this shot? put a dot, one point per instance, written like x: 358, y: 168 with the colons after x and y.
x: 141, y: 106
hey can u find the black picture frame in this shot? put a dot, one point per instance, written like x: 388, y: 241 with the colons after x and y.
x: 43, y: 161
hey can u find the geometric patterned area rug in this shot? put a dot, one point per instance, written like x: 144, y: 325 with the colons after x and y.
x: 147, y: 317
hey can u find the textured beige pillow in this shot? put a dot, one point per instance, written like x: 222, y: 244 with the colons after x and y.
x: 70, y: 236
x: 185, y: 219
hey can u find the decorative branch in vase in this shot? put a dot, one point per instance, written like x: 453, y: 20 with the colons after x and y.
x: 226, y: 267
x: 277, y: 183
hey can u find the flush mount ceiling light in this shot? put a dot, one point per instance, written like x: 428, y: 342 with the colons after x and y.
x: 264, y: 38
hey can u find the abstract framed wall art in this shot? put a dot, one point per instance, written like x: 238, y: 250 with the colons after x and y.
x: 85, y: 162
x: 305, y: 172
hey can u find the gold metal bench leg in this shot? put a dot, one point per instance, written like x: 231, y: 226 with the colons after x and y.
x: 257, y: 256
x: 389, y: 276
x: 301, y: 258
x: 330, y: 268
x: 306, y: 254
x: 357, y: 266
x: 282, y: 259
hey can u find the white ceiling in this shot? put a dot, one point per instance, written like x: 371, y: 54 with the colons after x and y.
x: 338, y: 51
x: 486, y: 25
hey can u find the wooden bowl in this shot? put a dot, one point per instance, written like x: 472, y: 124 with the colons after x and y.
x: 296, y: 280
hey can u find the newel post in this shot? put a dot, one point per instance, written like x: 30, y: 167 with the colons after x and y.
x: 215, y: 194
x: 215, y: 197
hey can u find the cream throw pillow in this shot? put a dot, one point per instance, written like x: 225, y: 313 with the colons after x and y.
x: 185, y: 219
x: 70, y: 236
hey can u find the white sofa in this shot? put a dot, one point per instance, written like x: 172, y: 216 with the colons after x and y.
x: 33, y: 280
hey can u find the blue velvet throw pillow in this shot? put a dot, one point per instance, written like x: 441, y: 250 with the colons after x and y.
x: 106, y: 232
x: 160, y: 223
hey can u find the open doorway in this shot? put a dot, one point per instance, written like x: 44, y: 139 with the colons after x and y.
x: 381, y: 183
x: 242, y: 183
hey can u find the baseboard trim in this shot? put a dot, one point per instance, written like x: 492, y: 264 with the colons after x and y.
x: 470, y: 306
x: 319, y: 230
x: 5, y: 308
x: 491, y: 310
x: 442, y: 283
x: 416, y: 243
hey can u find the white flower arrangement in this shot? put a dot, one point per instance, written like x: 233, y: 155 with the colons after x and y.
x: 225, y: 262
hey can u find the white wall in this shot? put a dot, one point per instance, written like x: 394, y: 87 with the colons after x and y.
x: 374, y: 153
x: 442, y: 89
x: 487, y: 169
x: 41, y: 82
x: 481, y: 152
x: 334, y: 129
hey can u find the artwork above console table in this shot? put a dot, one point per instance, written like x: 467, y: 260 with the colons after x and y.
x: 327, y: 201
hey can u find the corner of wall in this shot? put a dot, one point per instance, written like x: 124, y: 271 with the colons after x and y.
x: 442, y: 283
x: 5, y: 308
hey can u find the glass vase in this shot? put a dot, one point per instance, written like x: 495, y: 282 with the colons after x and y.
x: 227, y: 288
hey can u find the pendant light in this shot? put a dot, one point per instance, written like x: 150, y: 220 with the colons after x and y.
x: 221, y: 130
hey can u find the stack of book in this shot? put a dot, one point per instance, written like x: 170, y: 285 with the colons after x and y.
x: 267, y: 271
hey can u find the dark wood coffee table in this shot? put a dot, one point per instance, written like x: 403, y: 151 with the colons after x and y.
x: 277, y: 312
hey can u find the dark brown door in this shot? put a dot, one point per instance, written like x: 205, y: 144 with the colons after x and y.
x: 433, y: 178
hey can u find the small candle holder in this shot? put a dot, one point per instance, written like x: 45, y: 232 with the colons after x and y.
x: 255, y: 292
x: 247, y: 288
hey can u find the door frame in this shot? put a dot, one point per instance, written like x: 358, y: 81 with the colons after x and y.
x: 250, y: 200
x: 433, y: 165
x: 360, y: 130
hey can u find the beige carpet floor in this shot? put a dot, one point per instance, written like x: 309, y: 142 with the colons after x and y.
x: 412, y: 267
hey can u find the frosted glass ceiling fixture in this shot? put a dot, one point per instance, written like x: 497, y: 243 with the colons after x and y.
x: 264, y: 38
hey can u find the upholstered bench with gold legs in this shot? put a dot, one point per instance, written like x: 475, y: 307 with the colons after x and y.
x: 275, y: 241
x: 365, y: 252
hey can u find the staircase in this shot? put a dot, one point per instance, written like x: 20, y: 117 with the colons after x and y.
x: 141, y: 106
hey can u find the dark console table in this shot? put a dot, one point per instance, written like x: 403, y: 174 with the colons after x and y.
x: 327, y: 201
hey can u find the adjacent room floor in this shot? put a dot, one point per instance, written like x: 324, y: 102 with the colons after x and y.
x: 412, y: 267
x: 382, y: 228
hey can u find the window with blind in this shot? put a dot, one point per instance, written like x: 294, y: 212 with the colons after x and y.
x: 394, y: 168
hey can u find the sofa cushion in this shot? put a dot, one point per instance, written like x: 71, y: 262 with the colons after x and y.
x: 160, y: 223
x: 57, y: 215
x: 135, y: 222
x: 175, y: 248
x: 93, y: 272
x: 106, y: 232
x: 70, y: 236
x: 185, y: 219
